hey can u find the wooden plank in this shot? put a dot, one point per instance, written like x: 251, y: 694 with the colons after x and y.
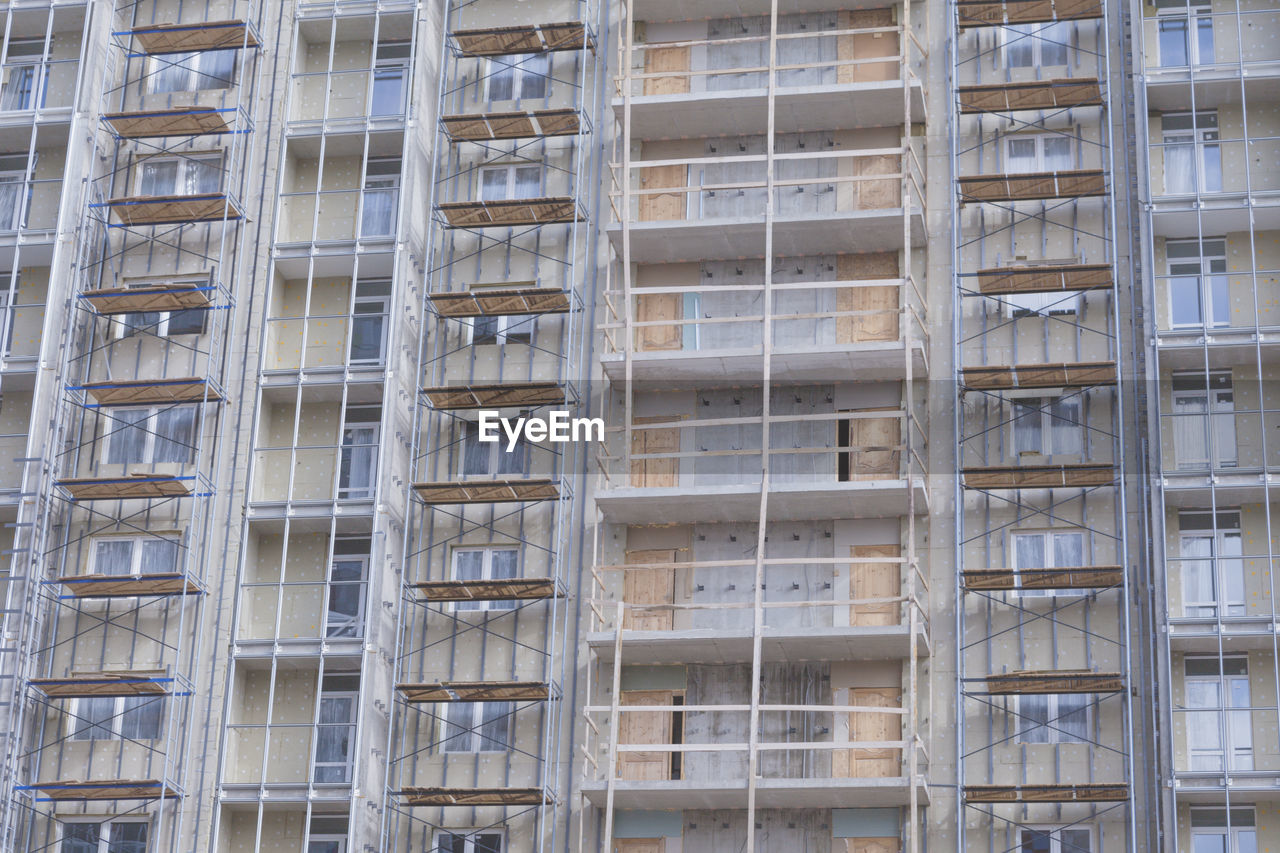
x: 878, y: 438
x: 190, y: 38
x: 135, y: 487
x: 483, y: 302
x: 1038, y: 476
x: 483, y: 127
x: 109, y: 789
x: 646, y: 727
x: 1058, y: 93
x: 639, y: 845
x: 475, y: 691
x: 128, y: 586
x: 1033, y: 186
x: 881, y: 326
x: 161, y: 297
x: 664, y: 207
x: 488, y: 491
x: 877, y: 195
x: 475, y: 796
x: 864, y: 46
x: 524, y: 38
x: 659, y: 308
x: 986, y: 13
x: 510, y: 589
x: 509, y: 212
x: 496, y: 396
x: 1090, y: 793
x: 1057, y: 375
x: 871, y: 726
x: 155, y: 682
x: 1055, y: 681
x: 1043, y: 279
x: 192, y: 121
x: 875, y: 580
x: 655, y: 473
x: 867, y: 845
x: 1093, y: 577
x: 139, y: 391
x: 658, y: 60
x: 173, y: 210
x: 649, y: 586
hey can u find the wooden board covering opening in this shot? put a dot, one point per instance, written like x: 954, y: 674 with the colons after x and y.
x: 464, y: 397
x: 1043, y: 279
x: 509, y: 212
x: 509, y: 589
x: 475, y: 691
x: 140, y: 391
x: 193, y: 121
x: 1055, y: 681
x: 483, y: 127
x: 1057, y: 375
x: 173, y: 209
x: 128, y: 586
x: 154, y: 682
x: 1091, y: 577
x: 525, y: 38
x: 137, y: 300
x: 1033, y: 186
x: 109, y: 789
x: 135, y: 487
x: 485, y: 302
x: 1038, y: 476
x: 474, y: 796
x: 488, y: 491
x: 1090, y: 793
x: 986, y: 13
x: 1032, y: 95
x: 189, y: 38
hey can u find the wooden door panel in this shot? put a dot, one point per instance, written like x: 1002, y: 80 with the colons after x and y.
x: 646, y: 727
x: 663, y: 206
x: 879, y: 326
x: 659, y: 59
x: 867, y: 46
x: 877, y: 194
x: 648, y: 586
x: 655, y: 473
x: 874, y: 432
x: 875, y: 580
x: 656, y: 307
x: 871, y: 726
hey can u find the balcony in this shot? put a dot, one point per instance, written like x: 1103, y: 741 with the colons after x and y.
x: 1200, y: 175
x: 1227, y: 448
x: 351, y: 195
x: 1218, y: 47
x: 714, y: 207
x: 844, y: 69
x: 328, y: 328
x: 344, y: 82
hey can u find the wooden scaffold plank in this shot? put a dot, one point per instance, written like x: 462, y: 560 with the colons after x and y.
x: 172, y: 209
x: 475, y: 797
x: 524, y: 38
x: 155, y: 682
x: 486, y: 302
x: 509, y: 212
x: 140, y: 300
x: 134, y: 487
x: 1091, y: 577
x: 109, y: 789
x: 475, y: 691
x: 486, y: 127
x: 987, y: 13
x: 1087, y: 793
x: 1033, y: 186
x: 1038, y: 476
x: 129, y: 586
x: 1047, y: 278
x: 508, y: 589
x: 1032, y: 95
x: 191, y: 38
x: 192, y: 121
x: 496, y: 396
x: 1079, y: 374
x: 1054, y: 681
x: 487, y: 491
x: 136, y: 392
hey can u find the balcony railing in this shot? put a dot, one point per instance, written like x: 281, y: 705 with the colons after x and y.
x: 326, y: 341
x: 331, y: 215
x: 1214, y: 167
x: 37, y: 85
x: 291, y: 609
x: 1197, y: 442
x: 1205, y: 305
x: 315, y: 473
x: 1205, y: 40
x: 338, y: 95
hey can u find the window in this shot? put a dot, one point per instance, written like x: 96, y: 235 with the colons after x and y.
x: 1192, y: 156
x: 1204, y: 422
x: 15, y: 192
x: 1216, y: 730
x: 490, y: 457
x: 369, y: 322
x: 469, y: 841
x: 1038, y: 152
x: 134, y: 555
x: 1036, y: 45
x: 1212, y: 568
x: 22, y: 75
x: 347, y: 584
x: 1048, y: 549
x: 1213, y: 830
x: 502, y: 329
x: 163, y: 324
x: 1054, y: 718
x: 327, y: 835
x: 185, y: 72
x: 192, y: 175
x: 476, y: 726
x: 336, y: 729
x: 9, y: 287
x: 510, y: 181
x: 1056, y: 839
x: 116, y: 717
x: 484, y: 564
x: 151, y: 435
x: 1185, y: 33
x: 117, y: 836
x: 390, y: 71
x: 381, y: 193
x: 1199, y: 294
x: 519, y: 76
x: 1047, y: 426
x: 359, y: 452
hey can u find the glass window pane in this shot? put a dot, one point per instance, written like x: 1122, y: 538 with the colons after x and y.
x: 141, y: 717
x: 1028, y: 427
x: 501, y: 76
x: 128, y: 436
x: 1068, y: 549
x: 1028, y: 551
x: 457, y: 727
x: 113, y: 557
x: 187, y: 322
x: 94, y: 718
x: 1033, y: 713
x: 534, y: 70
x: 1054, y: 39
x: 475, y: 453
x: 80, y: 838
x: 1020, y: 47
x: 494, y: 726
x: 1036, y: 841
x: 1173, y: 42
x: 1074, y: 840
x: 176, y: 435
x: 1073, y: 718
x: 172, y: 72
x: 1057, y: 154
x: 217, y: 69
x: 493, y: 184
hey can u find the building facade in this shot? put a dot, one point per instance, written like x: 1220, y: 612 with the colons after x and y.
x: 922, y: 358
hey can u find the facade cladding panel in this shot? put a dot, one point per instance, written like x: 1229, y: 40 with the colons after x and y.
x: 931, y: 349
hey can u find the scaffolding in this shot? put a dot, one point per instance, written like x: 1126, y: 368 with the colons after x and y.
x: 764, y: 333
x: 479, y: 737
x: 127, y: 549
x: 1043, y: 713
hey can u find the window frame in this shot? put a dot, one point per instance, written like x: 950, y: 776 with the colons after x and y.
x: 114, y: 430
x: 1037, y: 43
x: 358, y: 624
x: 1041, y: 160
x: 1217, y: 532
x: 383, y: 302
x: 1206, y: 281
x: 1201, y: 137
x: 104, y: 839
x: 193, y: 63
x: 1045, y: 410
x: 514, y: 66
x: 185, y: 162
x: 468, y: 838
x: 365, y: 492
x: 113, y: 728
x: 503, y: 714
x: 512, y: 182
x: 1232, y: 835
x: 1225, y: 714
x: 1213, y: 456
x: 352, y: 727
x: 496, y: 453
x: 502, y: 330
x: 138, y: 542
x: 1050, y: 551
x: 486, y: 574
x: 1193, y: 14
x: 1054, y: 832
x: 1052, y: 727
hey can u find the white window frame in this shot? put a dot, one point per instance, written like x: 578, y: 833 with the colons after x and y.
x: 384, y: 63
x: 1215, y: 415
x: 1040, y: 140
x: 1233, y: 841
x: 113, y: 728
x: 496, y: 452
x: 380, y: 181
x: 357, y: 625
x: 137, y: 543
x: 1207, y: 280
x: 382, y: 302
x: 1049, y: 550
x: 1053, y: 725
x: 468, y: 838
x: 1012, y: 34
x: 123, y: 328
x: 185, y: 162
x: 114, y: 430
x: 364, y: 492
x: 17, y: 62
x: 326, y: 838
x: 486, y: 574
x: 10, y: 284
x: 1204, y: 138
x: 511, y: 170
x: 1232, y: 721
x: 504, y: 711
x: 16, y: 219
x: 1054, y: 831
x: 523, y: 325
x: 1048, y: 418
x: 516, y: 67
x: 104, y: 839
x: 351, y: 725
x: 1218, y: 534
x: 194, y: 64
x: 1193, y: 13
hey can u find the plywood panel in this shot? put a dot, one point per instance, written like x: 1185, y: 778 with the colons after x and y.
x: 874, y: 432
x: 649, y: 586
x: 875, y: 580
x: 871, y: 726
x: 640, y: 845
x: 870, y: 845
x: 646, y: 727
x: 659, y: 59
x: 882, y: 326
x: 663, y: 206
x: 867, y: 46
x: 655, y: 473
x: 877, y: 194
x: 654, y: 307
